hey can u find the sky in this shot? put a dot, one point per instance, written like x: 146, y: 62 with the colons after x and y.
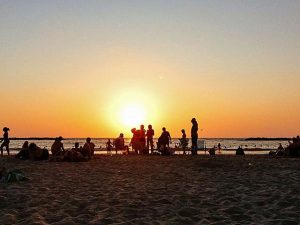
x: 97, y: 68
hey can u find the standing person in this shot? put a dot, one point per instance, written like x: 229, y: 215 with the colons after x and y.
x: 134, y: 140
x: 142, y: 139
x: 194, y: 135
x: 5, y: 141
x: 57, y: 147
x: 108, y: 147
x: 219, y: 147
x: 183, y: 141
x: 150, y: 134
x: 88, y: 148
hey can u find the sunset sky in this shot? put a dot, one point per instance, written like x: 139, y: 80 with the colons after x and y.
x: 98, y: 68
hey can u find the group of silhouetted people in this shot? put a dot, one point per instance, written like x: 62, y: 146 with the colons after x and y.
x: 32, y: 152
x: 293, y: 149
x: 76, y: 154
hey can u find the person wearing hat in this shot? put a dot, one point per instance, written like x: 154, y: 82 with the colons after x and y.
x: 5, y: 141
x: 194, y: 136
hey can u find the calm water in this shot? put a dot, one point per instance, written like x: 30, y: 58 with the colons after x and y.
x: 100, y: 143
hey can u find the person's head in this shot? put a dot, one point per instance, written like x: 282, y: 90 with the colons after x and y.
x: 194, y: 120
x: 60, y: 138
x: 294, y: 140
x: 121, y: 135
x: 183, y: 131
x: 164, y: 129
x: 88, y: 140
x: 298, y: 137
x: 108, y: 140
x: 5, y: 129
x: 25, y: 145
x: 76, y: 145
x: 149, y: 126
x: 142, y: 127
x: 133, y: 130
x: 32, y: 146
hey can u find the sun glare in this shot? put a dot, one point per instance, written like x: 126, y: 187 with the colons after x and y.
x: 132, y: 116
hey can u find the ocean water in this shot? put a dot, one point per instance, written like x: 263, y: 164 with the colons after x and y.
x: 226, y: 143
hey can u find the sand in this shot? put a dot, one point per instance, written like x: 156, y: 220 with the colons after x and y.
x: 154, y: 190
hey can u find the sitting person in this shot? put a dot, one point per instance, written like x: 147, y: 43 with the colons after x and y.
x: 57, y: 148
x: 24, y: 153
x: 74, y: 155
x: 120, y: 144
x: 88, y: 149
x: 212, y: 151
x: 77, y: 148
x: 280, y: 151
x: 37, y: 153
x: 240, y: 151
x: 294, y: 148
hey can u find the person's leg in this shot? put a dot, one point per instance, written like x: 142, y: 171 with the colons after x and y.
x: 2, y: 145
x: 7, y: 148
x: 194, y: 145
x: 152, y: 145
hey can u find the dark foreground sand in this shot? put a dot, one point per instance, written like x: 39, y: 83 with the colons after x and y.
x: 154, y: 190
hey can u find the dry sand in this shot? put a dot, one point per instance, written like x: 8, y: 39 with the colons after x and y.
x: 154, y: 190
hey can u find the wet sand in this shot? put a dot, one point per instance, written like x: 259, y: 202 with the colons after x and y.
x: 154, y: 190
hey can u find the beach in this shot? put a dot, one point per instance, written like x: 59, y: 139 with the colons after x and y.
x: 154, y: 190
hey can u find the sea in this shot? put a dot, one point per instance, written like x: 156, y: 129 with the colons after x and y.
x: 228, y: 145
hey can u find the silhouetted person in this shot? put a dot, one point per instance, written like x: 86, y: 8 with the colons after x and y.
x: 240, y: 151
x: 5, y: 141
x: 194, y: 136
x: 76, y: 147
x: 24, y: 152
x: 120, y: 144
x: 142, y: 139
x: 135, y: 140
x: 108, y: 147
x: 219, y: 147
x: 184, y: 141
x: 212, y: 151
x: 280, y: 151
x: 164, y: 141
x: 150, y: 134
x: 88, y: 148
x: 294, y: 148
x: 37, y: 153
x: 57, y: 148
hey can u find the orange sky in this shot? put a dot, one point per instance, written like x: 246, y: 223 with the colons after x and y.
x: 73, y: 71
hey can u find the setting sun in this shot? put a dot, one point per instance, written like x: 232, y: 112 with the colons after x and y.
x: 132, y: 115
